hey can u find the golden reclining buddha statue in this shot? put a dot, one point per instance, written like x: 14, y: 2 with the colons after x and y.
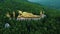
x: 26, y: 14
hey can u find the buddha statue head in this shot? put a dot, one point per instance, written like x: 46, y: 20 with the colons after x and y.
x: 20, y: 12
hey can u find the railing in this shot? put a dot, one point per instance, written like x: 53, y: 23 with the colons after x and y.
x: 22, y: 18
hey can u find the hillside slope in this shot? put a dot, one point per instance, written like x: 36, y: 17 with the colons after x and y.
x: 48, y: 25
